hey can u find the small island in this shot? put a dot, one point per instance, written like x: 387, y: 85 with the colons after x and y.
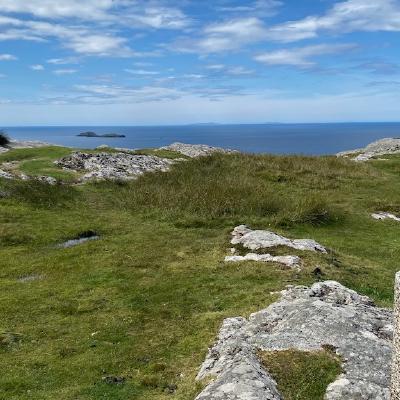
x: 106, y: 135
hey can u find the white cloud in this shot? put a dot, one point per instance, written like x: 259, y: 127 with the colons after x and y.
x: 37, y: 67
x: 301, y: 56
x: 7, y: 57
x: 258, y: 7
x: 65, y: 71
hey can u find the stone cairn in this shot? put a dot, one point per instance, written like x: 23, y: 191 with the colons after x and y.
x: 396, y: 342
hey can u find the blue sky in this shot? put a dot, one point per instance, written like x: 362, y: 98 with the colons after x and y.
x: 128, y: 62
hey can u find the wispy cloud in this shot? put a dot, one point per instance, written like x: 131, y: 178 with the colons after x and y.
x: 302, y: 57
x: 66, y: 71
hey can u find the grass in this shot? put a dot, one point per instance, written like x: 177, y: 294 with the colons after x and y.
x: 302, y: 375
x: 146, y: 300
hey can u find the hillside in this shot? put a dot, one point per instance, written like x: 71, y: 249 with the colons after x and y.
x: 131, y: 314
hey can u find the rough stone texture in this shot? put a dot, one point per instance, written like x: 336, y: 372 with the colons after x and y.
x: 258, y: 239
x: 288, y: 261
x: 6, y: 175
x: 195, y: 150
x: 113, y: 166
x: 378, y: 148
x: 395, y: 386
x: 307, y: 319
x: 384, y: 215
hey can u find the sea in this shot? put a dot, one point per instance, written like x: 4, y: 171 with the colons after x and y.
x: 308, y: 139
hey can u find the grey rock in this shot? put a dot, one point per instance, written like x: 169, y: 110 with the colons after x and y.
x: 195, y: 150
x: 47, y: 179
x: 384, y: 215
x: 113, y: 166
x: 378, y: 148
x: 307, y: 319
x: 288, y: 261
x: 6, y: 175
x: 24, y: 144
x: 259, y: 239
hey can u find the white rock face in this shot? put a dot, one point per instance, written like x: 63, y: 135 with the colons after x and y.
x: 258, y: 239
x: 378, y: 148
x: 384, y: 215
x: 195, y: 150
x: 288, y: 261
x: 113, y: 166
x: 307, y: 319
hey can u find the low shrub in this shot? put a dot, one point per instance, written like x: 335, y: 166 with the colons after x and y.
x: 4, y: 139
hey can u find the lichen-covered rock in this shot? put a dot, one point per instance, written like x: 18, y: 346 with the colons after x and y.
x: 195, y: 150
x: 374, y: 149
x: 325, y: 315
x: 113, y: 165
x: 259, y: 239
x: 288, y: 261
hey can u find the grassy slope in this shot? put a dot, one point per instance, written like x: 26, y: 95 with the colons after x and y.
x: 146, y: 300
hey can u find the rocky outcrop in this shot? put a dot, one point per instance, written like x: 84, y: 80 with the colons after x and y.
x: 195, y: 150
x: 384, y: 215
x: 307, y: 319
x: 288, y: 261
x: 96, y: 135
x: 378, y: 148
x: 23, y: 144
x: 259, y: 239
x: 113, y: 165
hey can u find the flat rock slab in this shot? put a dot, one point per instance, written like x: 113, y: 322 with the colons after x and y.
x: 385, y: 215
x: 195, y: 150
x: 259, y: 239
x: 306, y: 319
x: 288, y: 261
x: 113, y: 165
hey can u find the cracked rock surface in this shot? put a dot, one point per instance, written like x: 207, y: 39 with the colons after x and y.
x: 113, y: 165
x: 258, y: 239
x: 288, y: 261
x: 307, y: 319
x: 195, y: 150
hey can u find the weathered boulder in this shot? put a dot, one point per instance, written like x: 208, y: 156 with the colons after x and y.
x: 324, y: 315
x: 23, y: 144
x: 259, y: 239
x: 113, y: 165
x: 374, y: 149
x: 195, y: 150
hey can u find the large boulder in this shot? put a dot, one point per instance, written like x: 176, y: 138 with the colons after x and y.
x: 374, y: 149
x: 326, y: 315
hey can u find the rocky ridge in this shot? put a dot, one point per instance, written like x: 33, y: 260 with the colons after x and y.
x: 325, y: 315
x: 375, y: 149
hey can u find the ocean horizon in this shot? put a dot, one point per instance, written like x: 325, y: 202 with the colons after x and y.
x: 274, y: 138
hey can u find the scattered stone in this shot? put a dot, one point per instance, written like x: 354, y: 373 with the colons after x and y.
x: 81, y: 238
x: 6, y: 175
x: 113, y: 166
x: 288, y: 261
x: 327, y: 315
x: 113, y: 380
x: 102, y: 147
x: 258, y: 239
x: 378, y: 148
x: 384, y: 215
x: 47, y: 179
x: 30, y: 278
x: 196, y: 150
x: 8, y: 339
